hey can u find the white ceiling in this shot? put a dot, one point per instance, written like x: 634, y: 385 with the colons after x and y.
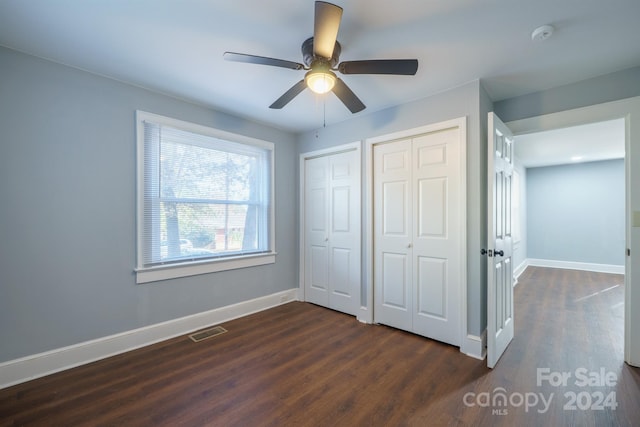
x: 176, y: 47
x: 586, y: 143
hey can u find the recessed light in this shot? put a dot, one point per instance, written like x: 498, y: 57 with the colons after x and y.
x: 542, y: 33
x: 576, y: 158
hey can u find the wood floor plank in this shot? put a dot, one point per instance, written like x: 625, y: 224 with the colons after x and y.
x: 303, y: 365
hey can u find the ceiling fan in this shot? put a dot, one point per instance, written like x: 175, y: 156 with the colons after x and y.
x: 320, y: 55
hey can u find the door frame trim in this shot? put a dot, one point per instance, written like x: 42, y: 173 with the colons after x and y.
x: 366, y: 313
x: 353, y: 146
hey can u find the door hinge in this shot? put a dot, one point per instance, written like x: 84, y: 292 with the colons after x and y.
x: 628, y: 252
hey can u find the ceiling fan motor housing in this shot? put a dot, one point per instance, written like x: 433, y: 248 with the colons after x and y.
x: 309, y: 58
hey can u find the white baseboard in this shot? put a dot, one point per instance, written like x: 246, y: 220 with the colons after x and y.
x: 475, y: 346
x: 570, y: 265
x: 519, y: 270
x: 364, y: 316
x: 38, y: 365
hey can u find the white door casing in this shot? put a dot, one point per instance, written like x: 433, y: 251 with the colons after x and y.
x: 500, y: 322
x: 331, y: 203
x: 418, y: 211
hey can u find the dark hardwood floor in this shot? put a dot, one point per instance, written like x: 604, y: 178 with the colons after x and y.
x: 302, y: 365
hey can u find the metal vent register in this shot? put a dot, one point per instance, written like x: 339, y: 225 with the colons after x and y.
x: 207, y: 333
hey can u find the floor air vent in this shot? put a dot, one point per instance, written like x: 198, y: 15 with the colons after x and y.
x: 207, y: 333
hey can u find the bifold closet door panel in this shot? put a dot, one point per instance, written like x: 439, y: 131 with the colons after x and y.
x: 393, y: 301
x: 332, y: 231
x: 417, y: 234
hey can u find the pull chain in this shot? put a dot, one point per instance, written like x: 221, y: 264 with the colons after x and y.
x: 324, y: 112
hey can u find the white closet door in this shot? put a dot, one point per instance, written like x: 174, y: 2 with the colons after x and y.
x: 332, y: 231
x: 418, y: 221
x: 437, y: 235
x: 393, y: 301
x: 316, y: 254
x: 344, y: 232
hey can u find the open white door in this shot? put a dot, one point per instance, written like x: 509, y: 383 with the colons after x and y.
x: 499, y: 241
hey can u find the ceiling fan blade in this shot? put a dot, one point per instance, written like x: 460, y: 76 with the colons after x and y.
x: 406, y: 67
x: 261, y: 60
x: 348, y: 98
x: 325, y: 28
x: 289, y: 95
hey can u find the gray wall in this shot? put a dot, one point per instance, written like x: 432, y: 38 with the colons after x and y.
x: 464, y: 101
x: 67, y: 211
x: 68, y: 152
x: 577, y: 212
x: 610, y: 87
x: 480, y: 188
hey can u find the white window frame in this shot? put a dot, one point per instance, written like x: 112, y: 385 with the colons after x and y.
x: 145, y: 274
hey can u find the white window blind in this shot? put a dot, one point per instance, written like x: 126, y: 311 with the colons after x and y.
x: 203, y: 197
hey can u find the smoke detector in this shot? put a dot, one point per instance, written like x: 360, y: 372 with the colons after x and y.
x: 542, y: 33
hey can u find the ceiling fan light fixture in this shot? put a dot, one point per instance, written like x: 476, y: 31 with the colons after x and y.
x: 320, y: 81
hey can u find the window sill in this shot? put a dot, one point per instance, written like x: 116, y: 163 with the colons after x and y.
x: 173, y: 271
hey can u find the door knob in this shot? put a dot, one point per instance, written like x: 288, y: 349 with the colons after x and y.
x: 499, y: 253
x: 409, y: 246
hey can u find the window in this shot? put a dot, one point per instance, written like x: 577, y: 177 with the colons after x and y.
x: 204, y: 199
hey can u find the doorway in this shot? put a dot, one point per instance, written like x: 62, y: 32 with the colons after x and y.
x: 569, y: 198
x: 628, y: 110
